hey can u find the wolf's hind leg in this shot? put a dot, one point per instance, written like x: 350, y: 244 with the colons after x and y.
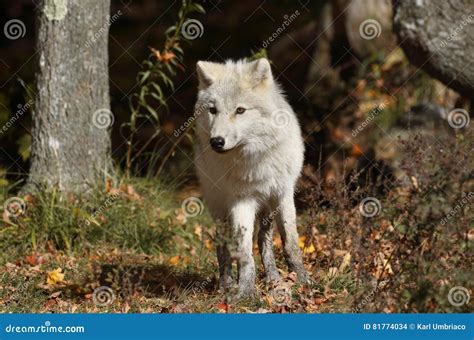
x: 225, y: 267
x: 286, y: 221
x: 265, y: 245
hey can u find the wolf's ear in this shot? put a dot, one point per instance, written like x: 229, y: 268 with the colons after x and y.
x: 260, y: 72
x: 207, y: 72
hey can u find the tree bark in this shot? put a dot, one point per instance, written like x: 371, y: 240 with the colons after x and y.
x: 438, y: 36
x: 72, y: 118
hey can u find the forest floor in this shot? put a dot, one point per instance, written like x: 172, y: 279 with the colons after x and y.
x: 393, y: 235
x: 140, y: 247
x: 162, y: 262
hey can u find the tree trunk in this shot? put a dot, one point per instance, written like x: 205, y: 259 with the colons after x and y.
x: 438, y: 36
x: 72, y: 118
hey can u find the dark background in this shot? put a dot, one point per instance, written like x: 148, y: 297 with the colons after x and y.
x: 232, y: 30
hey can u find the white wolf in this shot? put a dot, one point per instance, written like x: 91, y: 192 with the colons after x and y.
x: 249, y: 157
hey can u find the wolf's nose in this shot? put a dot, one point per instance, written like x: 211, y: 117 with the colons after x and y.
x: 217, y: 143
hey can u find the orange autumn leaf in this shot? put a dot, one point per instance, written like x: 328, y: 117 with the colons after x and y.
x: 277, y: 242
x: 356, y: 150
x: 371, y: 94
x: 31, y: 259
x: 208, y: 244
x: 165, y: 57
x: 337, y: 134
x: 319, y: 301
x: 223, y: 307
x: 174, y: 260
x: 28, y: 198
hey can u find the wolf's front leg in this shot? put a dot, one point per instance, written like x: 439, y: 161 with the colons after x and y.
x: 225, y: 264
x: 242, y: 219
x: 286, y: 221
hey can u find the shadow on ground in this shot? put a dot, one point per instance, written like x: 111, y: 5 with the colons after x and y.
x: 154, y: 280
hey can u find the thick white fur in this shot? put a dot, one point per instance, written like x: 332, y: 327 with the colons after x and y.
x: 256, y: 175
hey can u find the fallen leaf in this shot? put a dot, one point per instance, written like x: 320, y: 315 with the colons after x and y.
x: 319, y: 301
x: 208, y: 244
x: 50, y: 303
x: 174, y: 260
x: 180, y: 217
x: 301, y: 241
x: 345, y: 262
x: 108, y: 184
x: 356, y: 150
x: 55, y: 276
x: 198, y: 230
x: 55, y: 295
x: 223, y: 307
x: 309, y: 249
x: 31, y: 259
x: 132, y: 194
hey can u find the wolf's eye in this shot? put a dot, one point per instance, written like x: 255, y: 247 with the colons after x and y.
x: 240, y: 110
x: 212, y: 110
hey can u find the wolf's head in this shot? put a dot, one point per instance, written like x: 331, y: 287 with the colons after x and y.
x: 235, y: 104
